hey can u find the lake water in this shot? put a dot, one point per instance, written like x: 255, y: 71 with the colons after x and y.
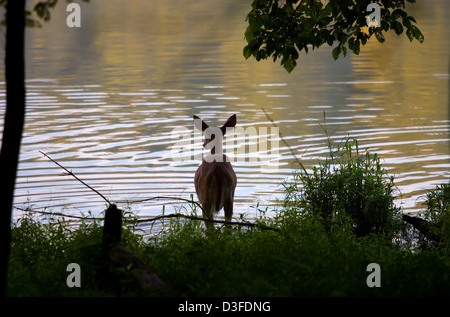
x: 113, y: 102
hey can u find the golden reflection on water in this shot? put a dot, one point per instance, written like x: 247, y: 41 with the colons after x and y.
x: 104, y: 99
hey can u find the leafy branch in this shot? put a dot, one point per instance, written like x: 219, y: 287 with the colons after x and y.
x: 284, y: 28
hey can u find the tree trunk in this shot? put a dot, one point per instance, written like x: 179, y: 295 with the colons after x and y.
x: 13, y: 124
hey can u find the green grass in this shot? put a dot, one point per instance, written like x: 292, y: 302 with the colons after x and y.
x: 300, y: 260
x: 336, y: 220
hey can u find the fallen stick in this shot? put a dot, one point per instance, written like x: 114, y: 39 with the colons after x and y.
x: 60, y: 214
x: 225, y: 222
x: 427, y: 228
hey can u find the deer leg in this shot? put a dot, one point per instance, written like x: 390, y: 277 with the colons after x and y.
x: 228, y: 208
x: 207, y: 214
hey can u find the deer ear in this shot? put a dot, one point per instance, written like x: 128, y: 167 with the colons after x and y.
x: 199, y: 123
x: 231, y: 123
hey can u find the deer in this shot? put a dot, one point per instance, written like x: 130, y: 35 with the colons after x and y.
x: 215, y: 180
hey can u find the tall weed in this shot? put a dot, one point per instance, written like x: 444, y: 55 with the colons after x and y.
x: 348, y: 187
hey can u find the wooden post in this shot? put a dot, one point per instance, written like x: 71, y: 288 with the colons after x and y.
x: 112, y: 228
x: 118, y: 255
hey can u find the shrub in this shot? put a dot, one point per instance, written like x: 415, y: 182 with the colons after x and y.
x: 347, y: 187
x: 438, y: 211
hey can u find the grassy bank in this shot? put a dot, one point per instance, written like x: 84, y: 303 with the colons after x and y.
x: 337, y: 219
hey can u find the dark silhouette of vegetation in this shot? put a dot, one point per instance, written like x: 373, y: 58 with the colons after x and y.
x: 348, y: 187
x: 282, y: 29
x: 304, y: 257
x: 320, y: 244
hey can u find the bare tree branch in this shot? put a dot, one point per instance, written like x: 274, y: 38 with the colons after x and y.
x: 161, y: 197
x: 156, y: 218
x: 74, y: 176
x: 225, y: 222
x: 60, y: 214
x: 283, y: 140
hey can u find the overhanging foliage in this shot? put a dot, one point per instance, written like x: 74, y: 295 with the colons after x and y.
x: 283, y: 28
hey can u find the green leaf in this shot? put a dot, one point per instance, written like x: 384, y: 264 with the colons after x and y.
x: 353, y: 44
x: 406, y: 22
x: 289, y: 65
x: 247, y: 51
x: 261, y: 54
x: 417, y: 34
x: 380, y: 37
x: 397, y: 26
x: 42, y: 10
x: 336, y: 51
x: 420, y: 37
x: 398, y: 12
x: 412, y: 19
x: 409, y: 34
